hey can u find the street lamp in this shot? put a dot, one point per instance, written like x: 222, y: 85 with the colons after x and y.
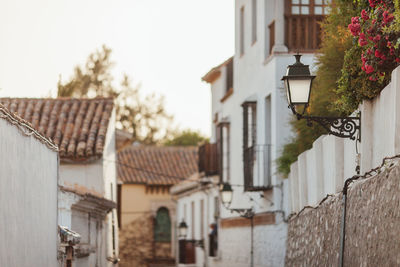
x: 226, y: 198
x: 298, y: 83
x: 182, y: 229
x: 226, y: 194
x: 182, y: 233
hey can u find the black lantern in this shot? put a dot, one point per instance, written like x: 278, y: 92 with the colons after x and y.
x: 298, y: 82
x: 226, y: 198
x: 226, y: 194
x: 182, y: 229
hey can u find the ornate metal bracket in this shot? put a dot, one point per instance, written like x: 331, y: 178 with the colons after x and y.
x: 344, y: 127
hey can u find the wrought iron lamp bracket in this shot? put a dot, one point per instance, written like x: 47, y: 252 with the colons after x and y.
x: 344, y: 127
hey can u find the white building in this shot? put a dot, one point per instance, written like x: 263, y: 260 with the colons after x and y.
x: 84, y: 131
x: 251, y: 125
x: 28, y: 194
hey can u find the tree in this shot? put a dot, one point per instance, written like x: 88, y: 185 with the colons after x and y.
x: 186, y: 138
x: 144, y: 117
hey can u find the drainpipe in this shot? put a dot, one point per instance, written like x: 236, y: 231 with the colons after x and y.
x: 343, y: 229
x: 252, y: 241
x: 343, y: 221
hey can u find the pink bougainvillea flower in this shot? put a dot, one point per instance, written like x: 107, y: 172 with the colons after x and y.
x: 387, y: 18
x: 372, y: 3
x: 378, y: 54
x: 369, y: 69
x: 377, y: 38
x: 355, y: 26
x: 364, y: 15
x: 398, y: 60
x: 362, y: 41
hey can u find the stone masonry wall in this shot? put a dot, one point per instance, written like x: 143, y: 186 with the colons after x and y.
x: 137, y: 246
x: 136, y: 242
x: 372, y: 226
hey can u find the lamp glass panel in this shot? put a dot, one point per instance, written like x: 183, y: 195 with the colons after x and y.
x: 183, y: 231
x: 226, y: 197
x: 299, y: 90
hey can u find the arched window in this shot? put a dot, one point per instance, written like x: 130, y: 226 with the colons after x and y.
x: 162, y: 226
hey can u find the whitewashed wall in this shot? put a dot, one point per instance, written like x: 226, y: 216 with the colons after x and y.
x: 269, y: 246
x: 99, y: 179
x: 28, y: 200
x: 110, y: 188
x: 184, y: 212
x: 257, y: 75
x: 323, y: 169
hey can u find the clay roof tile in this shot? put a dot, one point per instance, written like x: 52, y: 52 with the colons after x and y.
x: 77, y: 126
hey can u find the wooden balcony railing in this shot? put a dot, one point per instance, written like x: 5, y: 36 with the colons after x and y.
x: 303, y: 32
x: 208, y: 159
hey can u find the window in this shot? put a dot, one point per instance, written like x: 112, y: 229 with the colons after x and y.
x: 193, y: 221
x: 300, y: 7
x: 223, y: 147
x: 307, y: 7
x: 271, y: 29
x: 302, y: 24
x: 241, y: 36
x: 162, y: 226
x: 216, y: 208
x: 249, y: 140
x: 254, y: 21
x: 321, y: 7
x: 229, y: 76
x: 202, y: 218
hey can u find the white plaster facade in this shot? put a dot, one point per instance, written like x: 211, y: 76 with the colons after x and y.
x: 93, y: 219
x: 28, y: 197
x: 198, y: 206
x: 257, y: 77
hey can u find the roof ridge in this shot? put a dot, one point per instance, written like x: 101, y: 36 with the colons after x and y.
x: 26, y: 128
x: 61, y: 98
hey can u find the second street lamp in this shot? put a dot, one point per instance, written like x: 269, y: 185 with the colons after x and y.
x: 182, y: 233
x: 298, y: 82
x: 182, y: 229
x: 226, y: 199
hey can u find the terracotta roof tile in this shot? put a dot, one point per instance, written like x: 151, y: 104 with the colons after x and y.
x: 154, y: 165
x: 77, y: 126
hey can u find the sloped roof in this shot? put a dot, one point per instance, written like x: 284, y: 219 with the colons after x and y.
x: 155, y: 165
x: 215, y: 72
x: 25, y: 127
x: 77, y: 126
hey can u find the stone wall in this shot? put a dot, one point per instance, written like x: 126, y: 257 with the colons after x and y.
x: 137, y: 246
x: 372, y: 226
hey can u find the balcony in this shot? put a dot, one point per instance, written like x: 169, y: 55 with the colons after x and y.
x: 303, y: 32
x: 257, y: 168
x: 208, y: 159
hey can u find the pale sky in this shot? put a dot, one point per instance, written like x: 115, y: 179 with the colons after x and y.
x: 167, y: 45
